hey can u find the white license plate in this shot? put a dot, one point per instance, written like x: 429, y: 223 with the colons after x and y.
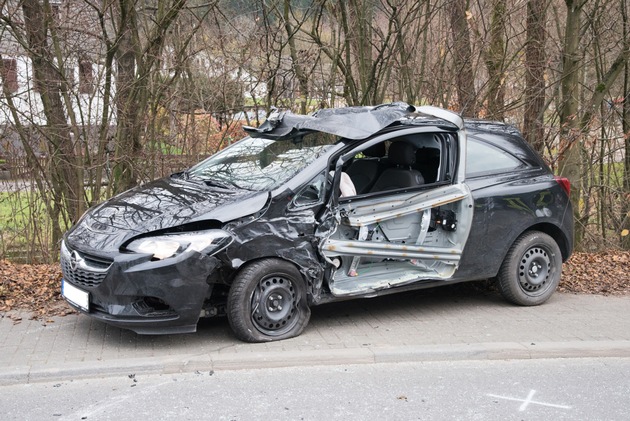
x: 75, y: 295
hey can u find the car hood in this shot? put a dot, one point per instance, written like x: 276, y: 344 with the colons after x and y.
x: 161, y: 204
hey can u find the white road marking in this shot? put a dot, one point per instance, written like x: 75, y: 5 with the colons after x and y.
x: 528, y: 401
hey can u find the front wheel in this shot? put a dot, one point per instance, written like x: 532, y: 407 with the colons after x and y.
x: 267, y: 302
x: 531, y: 270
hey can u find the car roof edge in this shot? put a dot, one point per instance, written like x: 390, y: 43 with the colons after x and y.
x: 443, y: 114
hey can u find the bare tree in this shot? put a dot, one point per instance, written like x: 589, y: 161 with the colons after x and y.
x: 495, y: 59
x: 625, y: 191
x: 535, y: 65
x: 126, y: 86
x: 136, y: 58
x: 576, y: 123
x: 462, y: 60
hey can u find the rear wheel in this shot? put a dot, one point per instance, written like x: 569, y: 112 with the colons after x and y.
x: 531, y: 270
x: 267, y: 302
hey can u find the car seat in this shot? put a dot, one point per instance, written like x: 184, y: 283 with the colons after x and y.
x: 365, y: 171
x: 401, y: 156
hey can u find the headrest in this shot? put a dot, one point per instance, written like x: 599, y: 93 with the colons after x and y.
x: 375, y: 151
x: 402, y: 153
x: 427, y: 155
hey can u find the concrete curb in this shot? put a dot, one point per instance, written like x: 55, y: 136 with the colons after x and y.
x: 345, y: 356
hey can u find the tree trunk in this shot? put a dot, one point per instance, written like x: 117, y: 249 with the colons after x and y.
x: 462, y: 60
x: 295, y: 60
x: 570, y: 161
x: 535, y: 64
x: 127, y: 109
x: 66, y: 184
x: 360, y: 18
x: 573, y: 126
x: 136, y: 64
x: 495, y: 59
x: 625, y: 193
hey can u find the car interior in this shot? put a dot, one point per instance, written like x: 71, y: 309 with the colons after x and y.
x: 405, y: 162
x: 412, y: 232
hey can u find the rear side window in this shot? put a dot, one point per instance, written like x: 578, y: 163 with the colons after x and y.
x: 484, y: 159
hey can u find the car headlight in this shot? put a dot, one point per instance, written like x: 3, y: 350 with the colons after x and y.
x: 169, y: 245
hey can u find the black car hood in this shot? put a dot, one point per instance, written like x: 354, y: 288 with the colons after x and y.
x: 161, y: 204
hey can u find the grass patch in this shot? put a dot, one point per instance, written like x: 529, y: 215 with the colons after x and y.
x: 24, y: 227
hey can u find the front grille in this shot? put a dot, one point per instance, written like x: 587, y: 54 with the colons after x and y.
x: 89, y: 270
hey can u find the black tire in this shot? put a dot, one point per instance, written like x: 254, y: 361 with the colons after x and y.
x: 267, y: 302
x: 531, y: 270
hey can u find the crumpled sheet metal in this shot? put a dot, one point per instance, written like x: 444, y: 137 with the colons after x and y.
x: 349, y: 122
x: 287, y: 237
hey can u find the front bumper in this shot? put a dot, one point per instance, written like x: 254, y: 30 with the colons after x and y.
x: 130, y: 291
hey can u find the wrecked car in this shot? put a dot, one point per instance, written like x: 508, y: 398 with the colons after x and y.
x: 306, y: 210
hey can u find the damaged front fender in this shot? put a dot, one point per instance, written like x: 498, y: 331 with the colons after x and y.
x: 289, y: 237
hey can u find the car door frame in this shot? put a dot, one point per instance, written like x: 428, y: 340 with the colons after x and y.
x: 374, y: 208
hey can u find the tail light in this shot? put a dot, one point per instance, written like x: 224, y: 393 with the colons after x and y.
x: 564, y: 183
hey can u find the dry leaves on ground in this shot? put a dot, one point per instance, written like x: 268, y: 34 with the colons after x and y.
x: 33, y: 288
x: 606, y: 273
x: 36, y: 288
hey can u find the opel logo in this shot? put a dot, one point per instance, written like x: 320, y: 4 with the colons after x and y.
x: 75, y: 260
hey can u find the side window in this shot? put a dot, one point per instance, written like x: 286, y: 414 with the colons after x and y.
x: 311, y: 194
x: 483, y: 159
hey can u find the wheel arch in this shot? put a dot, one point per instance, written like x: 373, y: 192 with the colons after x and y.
x: 554, y: 232
x: 261, y: 258
x: 477, y: 265
x: 249, y: 263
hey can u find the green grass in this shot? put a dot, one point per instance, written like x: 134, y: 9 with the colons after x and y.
x: 14, y: 209
x: 24, y: 226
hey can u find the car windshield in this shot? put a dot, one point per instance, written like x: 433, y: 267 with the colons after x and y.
x: 262, y: 164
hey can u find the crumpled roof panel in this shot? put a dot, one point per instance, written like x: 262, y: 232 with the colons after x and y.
x: 348, y: 122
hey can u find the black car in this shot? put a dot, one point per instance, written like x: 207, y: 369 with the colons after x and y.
x: 347, y: 202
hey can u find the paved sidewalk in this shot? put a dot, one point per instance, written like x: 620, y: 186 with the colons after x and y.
x: 438, y: 324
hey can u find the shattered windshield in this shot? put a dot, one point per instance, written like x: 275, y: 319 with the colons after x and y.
x: 262, y: 164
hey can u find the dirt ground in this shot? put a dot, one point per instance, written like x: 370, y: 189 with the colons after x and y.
x: 35, y: 288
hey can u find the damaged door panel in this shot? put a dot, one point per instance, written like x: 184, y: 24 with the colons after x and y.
x: 390, y: 241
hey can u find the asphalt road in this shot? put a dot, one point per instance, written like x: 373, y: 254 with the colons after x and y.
x: 558, y: 389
